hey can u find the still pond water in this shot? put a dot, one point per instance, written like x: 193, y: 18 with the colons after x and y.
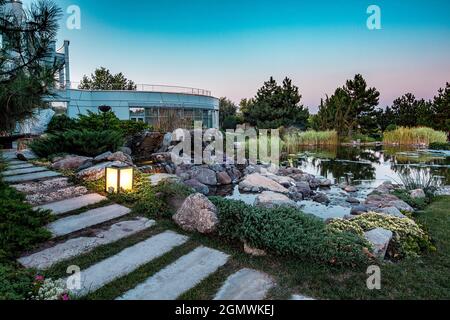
x: 366, y: 167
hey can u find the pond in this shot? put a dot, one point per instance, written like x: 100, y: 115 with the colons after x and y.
x: 365, y: 167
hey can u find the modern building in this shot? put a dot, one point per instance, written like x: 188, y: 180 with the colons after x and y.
x: 165, y: 107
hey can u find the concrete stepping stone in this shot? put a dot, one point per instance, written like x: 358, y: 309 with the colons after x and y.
x: 31, y: 176
x: 72, y: 204
x: 20, y: 166
x: 246, y: 284
x: 127, y: 261
x: 87, y: 219
x: 42, y: 186
x: 179, y: 277
x: 74, y: 247
x: 23, y: 171
x: 15, y: 162
x: 38, y: 199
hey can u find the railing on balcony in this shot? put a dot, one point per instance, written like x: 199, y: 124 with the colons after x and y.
x: 156, y: 88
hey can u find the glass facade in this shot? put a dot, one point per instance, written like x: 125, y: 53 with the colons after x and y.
x: 169, y: 119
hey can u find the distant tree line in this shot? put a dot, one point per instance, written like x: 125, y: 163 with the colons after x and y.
x: 351, y: 109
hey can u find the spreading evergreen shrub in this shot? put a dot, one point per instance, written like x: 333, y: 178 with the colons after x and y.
x: 61, y: 123
x: 20, y: 225
x: 287, y: 231
x: 15, y: 284
x: 81, y: 142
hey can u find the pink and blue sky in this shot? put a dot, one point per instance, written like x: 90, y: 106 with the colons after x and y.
x: 232, y: 46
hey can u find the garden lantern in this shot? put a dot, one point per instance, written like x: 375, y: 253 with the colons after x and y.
x: 119, y: 179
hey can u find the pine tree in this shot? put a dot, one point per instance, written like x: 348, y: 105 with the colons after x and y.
x: 441, y: 109
x: 26, y: 71
x: 275, y: 106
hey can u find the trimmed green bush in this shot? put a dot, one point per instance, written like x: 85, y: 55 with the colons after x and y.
x: 61, y: 123
x: 80, y: 142
x: 289, y: 232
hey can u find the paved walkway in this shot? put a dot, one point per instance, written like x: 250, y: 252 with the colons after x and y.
x: 170, y: 282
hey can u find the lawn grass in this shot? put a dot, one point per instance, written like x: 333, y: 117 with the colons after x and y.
x: 423, y: 278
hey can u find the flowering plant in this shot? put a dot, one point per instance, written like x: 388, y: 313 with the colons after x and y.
x: 48, y: 289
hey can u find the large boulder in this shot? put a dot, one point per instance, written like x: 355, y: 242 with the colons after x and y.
x: 98, y: 171
x: 321, y: 198
x: 205, y: 176
x: 391, y: 211
x: 102, y: 157
x: 37, y: 124
x: 285, y: 181
x: 197, y: 186
x: 269, y: 199
x: 359, y: 209
x: 120, y: 156
x: 147, y: 144
x: 401, y: 205
x: 70, y: 162
x: 379, y: 238
x: 197, y: 214
x: 166, y: 142
x: 258, y: 183
x: 223, y: 178
x: 303, y: 188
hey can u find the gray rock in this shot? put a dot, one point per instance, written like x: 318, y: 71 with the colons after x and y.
x: 223, y: 178
x: 286, y: 182
x: 417, y: 194
x: 358, y: 210
x: 325, y: 183
x: 166, y: 142
x: 321, y: 198
x: 38, y: 187
x: 314, y: 183
x: 96, y: 172
x: 120, y: 156
x: 126, y: 150
x: 46, y: 197
x: 258, y: 183
x: 379, y: 238
x: 197, y: 214
x: 392, y: 211
x: 401, y: 205
x: 158, y: 178
x: 350, y: 189
x: 70, y: 162
x: 197, y: 186
x: 102, y: 157
x: 352, y: 200
x: 234, y: 174
x: 205, y: 176
x: 269, y: 199
x: 304, y: 189
x: 294, y: 194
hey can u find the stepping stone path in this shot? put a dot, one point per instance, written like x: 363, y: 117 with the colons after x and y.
x: 74, y: 247
x: 246, y: 284
x: 68, y: 205
x: 31, y: 176
x: 46, y: 189
x: 179, y: 277
x: 23, y: 171
x: 127, y: 261
x: 87, y: 219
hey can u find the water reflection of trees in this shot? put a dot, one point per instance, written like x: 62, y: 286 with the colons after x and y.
x: 362, y: 162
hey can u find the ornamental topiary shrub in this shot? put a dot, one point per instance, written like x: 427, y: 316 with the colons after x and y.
x: 287, y: 231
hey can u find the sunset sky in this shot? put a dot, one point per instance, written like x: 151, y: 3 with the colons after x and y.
x: 231, y: 47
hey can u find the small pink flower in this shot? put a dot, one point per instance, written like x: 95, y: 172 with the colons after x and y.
x: 39, y: 278
x: 65, y: 297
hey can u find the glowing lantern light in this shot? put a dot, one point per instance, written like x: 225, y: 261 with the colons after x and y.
x: 119, y: 179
